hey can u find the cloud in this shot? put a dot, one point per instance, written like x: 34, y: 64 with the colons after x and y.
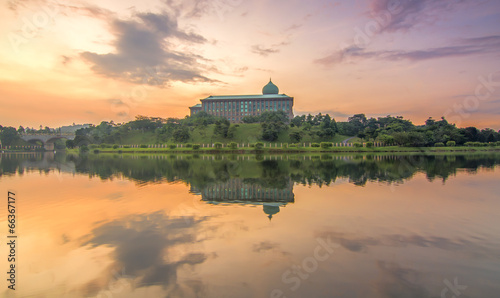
x: 201, y: 8
x: 141, y: 249
x: 362, y: 244
x: 261, y: 50
x: 266, y: 51
x: 403, y: 15
x: 145, y: 52
x: 458, y: 48
x: 396, y: 281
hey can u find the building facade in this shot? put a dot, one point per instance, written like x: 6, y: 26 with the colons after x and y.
x: 236, y: 107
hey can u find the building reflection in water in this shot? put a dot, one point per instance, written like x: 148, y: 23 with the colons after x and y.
x: 249, y: 192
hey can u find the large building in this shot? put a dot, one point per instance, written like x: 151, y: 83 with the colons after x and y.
x: 236, y: 107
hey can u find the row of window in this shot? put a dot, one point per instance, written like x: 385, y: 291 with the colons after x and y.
x: 246, y: 106
x: 247, y: 193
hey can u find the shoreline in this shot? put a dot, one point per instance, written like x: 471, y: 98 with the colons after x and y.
x: 392, y: 149
x: 389, y: 149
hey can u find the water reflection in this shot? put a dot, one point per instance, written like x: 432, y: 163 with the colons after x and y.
x: 253, y: 191
x: 141, y: 244
x: 196, y: 226
x: 272, y: 172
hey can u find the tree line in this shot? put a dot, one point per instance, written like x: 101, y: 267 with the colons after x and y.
x: 391, y: 130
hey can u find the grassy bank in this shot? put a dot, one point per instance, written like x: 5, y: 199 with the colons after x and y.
x: 243, y: 133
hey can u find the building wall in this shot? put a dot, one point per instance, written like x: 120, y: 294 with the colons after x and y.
x: 236, y: 190
x: 235, y: 109
x: 194, y: 110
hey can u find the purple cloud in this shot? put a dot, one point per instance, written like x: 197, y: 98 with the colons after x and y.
x: 405, y: 14
x: 462, y: 47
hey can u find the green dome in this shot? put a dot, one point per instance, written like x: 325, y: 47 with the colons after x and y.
x: 270, y: 88
x: 271, y: 210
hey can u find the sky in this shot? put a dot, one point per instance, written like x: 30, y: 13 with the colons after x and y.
x: 72, y: 61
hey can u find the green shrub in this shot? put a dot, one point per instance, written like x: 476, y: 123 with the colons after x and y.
x: 326, y: 145
x: 492, y: 144
x: 143, y: 146
x: 369, y: 144
x: 172, y: 146
x: 96, y: 150
x: 259, y: 145
x: 196, y: 146
x: 84, y: 148
x: 450, y: 144
x: 497, y: 143
x: 126, y: 146
x: 93, y: 146
x: 189, y: 145
x: 469, y: 144
x: 292, y: 146
x: 116, y: 146
x: 439, y: 144
x: 102, y: 146
x: 233, y: 145
x: 315, y: 145
x: 357, y: 145
x: 218, y: 145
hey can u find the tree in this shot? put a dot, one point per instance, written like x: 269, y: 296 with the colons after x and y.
x: 309, y: 119
x: 8, y: 136
x: 328, y: 133
x: 270, y: 131
x: 222, y: 127
x: 20, y: 130
x: 81, y: 140
x: 295, y: 137
x: 273, y: 123
x: 231, y: 132
x: 298, y: 120
x: 181, y: 134
x: 70, y: 144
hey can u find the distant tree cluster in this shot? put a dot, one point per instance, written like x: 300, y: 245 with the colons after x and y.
x: 398, y: 131
x: 319, y: 127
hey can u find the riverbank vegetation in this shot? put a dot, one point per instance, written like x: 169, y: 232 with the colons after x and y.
x: 305, y: 132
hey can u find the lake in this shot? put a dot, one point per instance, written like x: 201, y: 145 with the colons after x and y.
x: 253, y: 226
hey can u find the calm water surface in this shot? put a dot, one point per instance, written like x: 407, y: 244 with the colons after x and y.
x: 253, y: 226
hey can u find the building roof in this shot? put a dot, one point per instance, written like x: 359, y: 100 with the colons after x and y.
x: 259, y: 96
x: 270, y: 88
x: 196, y: 106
